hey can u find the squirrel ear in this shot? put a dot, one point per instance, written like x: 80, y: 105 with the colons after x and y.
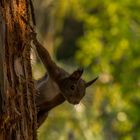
x: 91, y: 82
x: 77, y: 74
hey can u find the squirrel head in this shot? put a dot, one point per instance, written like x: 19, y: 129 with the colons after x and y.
x: 73, y: 87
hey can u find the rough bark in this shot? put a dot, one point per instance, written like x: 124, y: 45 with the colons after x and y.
x: 17, y: 92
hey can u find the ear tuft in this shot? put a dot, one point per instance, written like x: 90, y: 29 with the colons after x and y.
x: 77, y: 74
x: 91, y: 82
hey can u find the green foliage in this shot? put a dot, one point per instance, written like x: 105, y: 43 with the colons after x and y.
x: 109, y: 48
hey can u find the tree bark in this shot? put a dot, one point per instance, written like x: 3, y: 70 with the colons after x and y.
x: 17, y: 92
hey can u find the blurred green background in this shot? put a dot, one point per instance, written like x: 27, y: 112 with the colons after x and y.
x: 103, y: 37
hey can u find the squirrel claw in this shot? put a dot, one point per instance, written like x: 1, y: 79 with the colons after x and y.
x: 33, y: 35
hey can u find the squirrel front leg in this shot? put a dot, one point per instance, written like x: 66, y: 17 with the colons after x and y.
x: 47, y: 106
x: 47, y: 98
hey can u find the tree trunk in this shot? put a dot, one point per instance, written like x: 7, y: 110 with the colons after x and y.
x: 17, y: 92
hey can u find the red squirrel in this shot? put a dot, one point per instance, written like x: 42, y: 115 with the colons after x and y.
x: 57, y: 85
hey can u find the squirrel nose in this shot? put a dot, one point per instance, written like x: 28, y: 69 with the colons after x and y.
x: 75, y: 102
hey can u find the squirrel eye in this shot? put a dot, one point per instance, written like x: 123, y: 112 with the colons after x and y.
x: 72, y: 87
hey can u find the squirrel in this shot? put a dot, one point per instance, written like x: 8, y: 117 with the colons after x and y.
x: 57, y: 85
